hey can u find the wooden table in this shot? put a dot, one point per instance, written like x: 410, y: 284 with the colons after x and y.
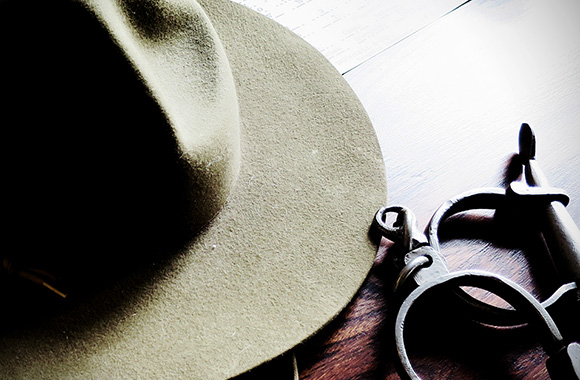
x: 447, y: 104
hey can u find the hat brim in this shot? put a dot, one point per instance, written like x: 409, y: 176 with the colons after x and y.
x: 287, y: 252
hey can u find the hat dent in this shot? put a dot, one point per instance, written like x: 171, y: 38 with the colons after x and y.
x: 177, y: 53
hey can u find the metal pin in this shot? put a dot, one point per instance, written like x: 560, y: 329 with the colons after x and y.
x: 52, y: 288
x: 36, y: 279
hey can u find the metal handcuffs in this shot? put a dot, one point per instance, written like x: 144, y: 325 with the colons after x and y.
x: 423, y: 269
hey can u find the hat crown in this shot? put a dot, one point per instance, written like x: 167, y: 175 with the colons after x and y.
x: 177, y: 53
x: 123, y: 123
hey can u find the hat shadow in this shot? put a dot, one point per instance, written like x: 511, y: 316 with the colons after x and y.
x: 95, y: 184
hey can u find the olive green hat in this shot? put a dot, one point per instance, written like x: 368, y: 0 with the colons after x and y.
x: 195, y: 178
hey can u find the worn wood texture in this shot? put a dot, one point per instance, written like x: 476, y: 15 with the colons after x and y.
x: 447, y: 104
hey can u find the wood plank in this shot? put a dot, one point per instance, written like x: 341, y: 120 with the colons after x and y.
x: 447, y: 103
x: 349, y: 32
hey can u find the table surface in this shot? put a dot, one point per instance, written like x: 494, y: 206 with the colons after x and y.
x: 447, y: 103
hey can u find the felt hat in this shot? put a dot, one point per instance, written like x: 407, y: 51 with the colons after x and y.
x: 195, y: 178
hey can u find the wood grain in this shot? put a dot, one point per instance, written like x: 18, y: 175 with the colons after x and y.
x: 447, y: 104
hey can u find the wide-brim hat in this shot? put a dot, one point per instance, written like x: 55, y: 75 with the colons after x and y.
x: 197, y: 179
